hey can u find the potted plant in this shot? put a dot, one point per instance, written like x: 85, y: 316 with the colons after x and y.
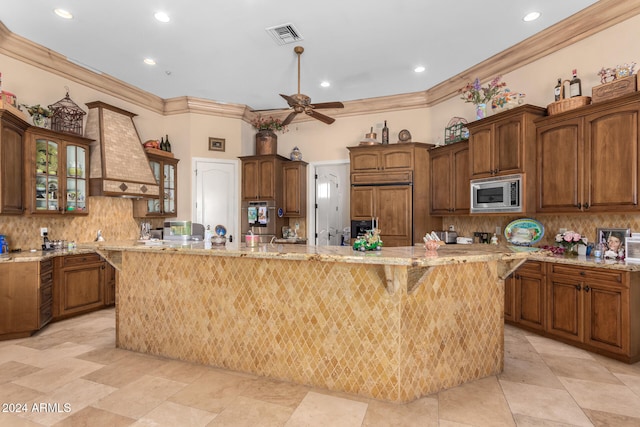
x: 266, y: 138
x: 480, y: 96
x: 39, y: 115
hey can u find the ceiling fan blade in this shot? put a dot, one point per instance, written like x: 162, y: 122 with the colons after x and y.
x: 326, y: 119
x: 328, y: 105
x: 289, y: 118
x: 291, y: 101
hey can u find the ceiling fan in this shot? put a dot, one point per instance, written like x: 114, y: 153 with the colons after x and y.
x: 302, y: 103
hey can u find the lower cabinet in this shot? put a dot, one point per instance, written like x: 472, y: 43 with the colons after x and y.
x: 78, y: 285
x: 593, y: 308
x: 109, y: 285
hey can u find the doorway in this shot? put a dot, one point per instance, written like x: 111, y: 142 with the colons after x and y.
x: 216, y: 194
x: 331, y: 190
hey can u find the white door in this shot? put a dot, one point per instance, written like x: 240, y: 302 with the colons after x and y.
x: 217, y: 193
x: 330, y: 204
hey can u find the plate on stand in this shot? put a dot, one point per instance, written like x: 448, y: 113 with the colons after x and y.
x: 524, y: 232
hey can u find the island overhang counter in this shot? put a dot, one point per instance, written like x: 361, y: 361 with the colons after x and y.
x: 393, y: 325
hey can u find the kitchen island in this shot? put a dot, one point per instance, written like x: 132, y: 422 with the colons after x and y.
x: 393, y: 325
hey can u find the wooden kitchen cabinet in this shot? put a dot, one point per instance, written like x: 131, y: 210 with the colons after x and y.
x: 294, y: 177
x: 391, y: 183
x: 57, y: 168
x: 530, y: 295
x: 450, y: 175
x: 12, y: 129
x: 109, y: 285
x: 390, y: 158
x: 261, y: 177
x: 25, y: 297
x: 78, y: 284
x: 504, y: 143
x: 165, y: 171
x: 588, y: 158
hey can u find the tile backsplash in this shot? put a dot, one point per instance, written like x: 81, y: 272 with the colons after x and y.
x: 585, y: 224
x: 114, y: 216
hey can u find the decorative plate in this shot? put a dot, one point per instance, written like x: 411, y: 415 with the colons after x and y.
x: 220, y: 230
x: 524, y: 232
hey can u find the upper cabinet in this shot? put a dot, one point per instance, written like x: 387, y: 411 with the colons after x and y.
x: 504, y: 144
x: 450, y: 189
x: 165, y: 171
x: 388, y: 158
x: 57, y: 167
x: 12, y: 129
x: 294, y: 180
x: 261, y: 177
x: 588, y: 158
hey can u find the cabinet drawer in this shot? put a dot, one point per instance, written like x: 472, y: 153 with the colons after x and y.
x: 532, y: 267
x: 382, y: 178
x: 589, y: 274
x: 73, y: 260
x: 46, y: 293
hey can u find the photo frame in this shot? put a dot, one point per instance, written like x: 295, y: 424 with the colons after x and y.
x: 632, y: 248
x: 608, y: 236
x: 216, y: 144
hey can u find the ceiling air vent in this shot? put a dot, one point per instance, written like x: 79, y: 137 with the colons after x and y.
x: 284, y: 34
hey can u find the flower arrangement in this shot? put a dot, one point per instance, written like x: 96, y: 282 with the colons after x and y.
x: 570, y: 239
x: 37, y: 110
x: 268, y: 123
x: 477, y: 94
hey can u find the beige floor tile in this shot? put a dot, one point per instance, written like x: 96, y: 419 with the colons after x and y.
x: 278, y: 392
x: 176, y: 370
x: 213, y: 391
x: 105, y: 356
x: 631, y: 381
x: 11, y: 371
x: 543, y: 403
x: 447, y: 423
x: 617, y: 367
x: 12, y: 420
x: 59, y: 373
x: 125, y: 370
x: 479, y: 402
x: 17, y: 353
x: 548, y: 346
x: 169, y: 414
x: 322, y: 410
x: 607, y: 419
x: 529, y: 372
x: 52, y: 355
x: 526, y: 421
x: 67, y: 400
x: 247, y: 412
x: 420, y: 413
x: 139, y: 397
x: 10, y: 392
x: 571, y: 367
x: 94, y: 417
x: 617, y: 399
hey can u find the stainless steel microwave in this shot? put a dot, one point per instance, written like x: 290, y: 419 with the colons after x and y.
x: 497, y: 194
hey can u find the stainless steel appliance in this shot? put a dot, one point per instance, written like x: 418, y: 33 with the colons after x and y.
x: 261, y: 218
x: 182, y: 230
x: 497, y: 194
x: 447, y: 236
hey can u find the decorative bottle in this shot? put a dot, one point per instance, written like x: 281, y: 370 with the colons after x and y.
x: 557, y: 91
x: 575, y: 86
x: 163, y: 146
x: 385, y: 133
x: 167, y: 144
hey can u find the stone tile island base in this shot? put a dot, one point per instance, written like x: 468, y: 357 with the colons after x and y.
x: 332, y: 325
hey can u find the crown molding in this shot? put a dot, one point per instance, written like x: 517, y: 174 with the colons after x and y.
x: 595, y: 18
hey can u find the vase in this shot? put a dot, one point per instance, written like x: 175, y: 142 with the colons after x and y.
x: 39, y: 120
x: 266, y: 143
x: 481, y: 111
x: 571, y: 250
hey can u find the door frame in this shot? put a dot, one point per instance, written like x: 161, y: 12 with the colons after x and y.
x: 235, y: 202
x: 311, y: 200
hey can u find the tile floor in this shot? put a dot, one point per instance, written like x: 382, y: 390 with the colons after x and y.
x: 70, y: 374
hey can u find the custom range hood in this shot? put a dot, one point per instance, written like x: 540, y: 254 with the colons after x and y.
x: 119, y: 165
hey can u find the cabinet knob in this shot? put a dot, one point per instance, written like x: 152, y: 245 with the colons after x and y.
x: 586, y: 206
x: 587, y: 288
x: 578, y: 205
x: 578, y: 287
x: 582, y: 273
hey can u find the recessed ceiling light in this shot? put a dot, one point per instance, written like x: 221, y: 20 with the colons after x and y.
x: 63, y: 13
x: 162, y: 17
x: 531, y: 16
x: 149, y: 61
x: 325, y: 84
x: 419, y: 69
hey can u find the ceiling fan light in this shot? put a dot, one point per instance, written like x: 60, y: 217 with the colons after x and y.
x: 161, y: 16
x: 531, y: 16
x: 63, y: 13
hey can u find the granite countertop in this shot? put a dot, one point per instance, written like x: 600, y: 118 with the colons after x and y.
x: 28, y: 256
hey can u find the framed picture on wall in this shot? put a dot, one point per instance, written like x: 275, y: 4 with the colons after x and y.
x: 216, y: 144
x: 613, y: 241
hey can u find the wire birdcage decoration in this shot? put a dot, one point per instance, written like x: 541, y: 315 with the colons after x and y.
x: 456, y: 130
x: 67, y: 116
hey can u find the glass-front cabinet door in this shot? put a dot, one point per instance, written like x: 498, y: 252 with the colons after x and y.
x: 165, y: 171
x: 57, y: 172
